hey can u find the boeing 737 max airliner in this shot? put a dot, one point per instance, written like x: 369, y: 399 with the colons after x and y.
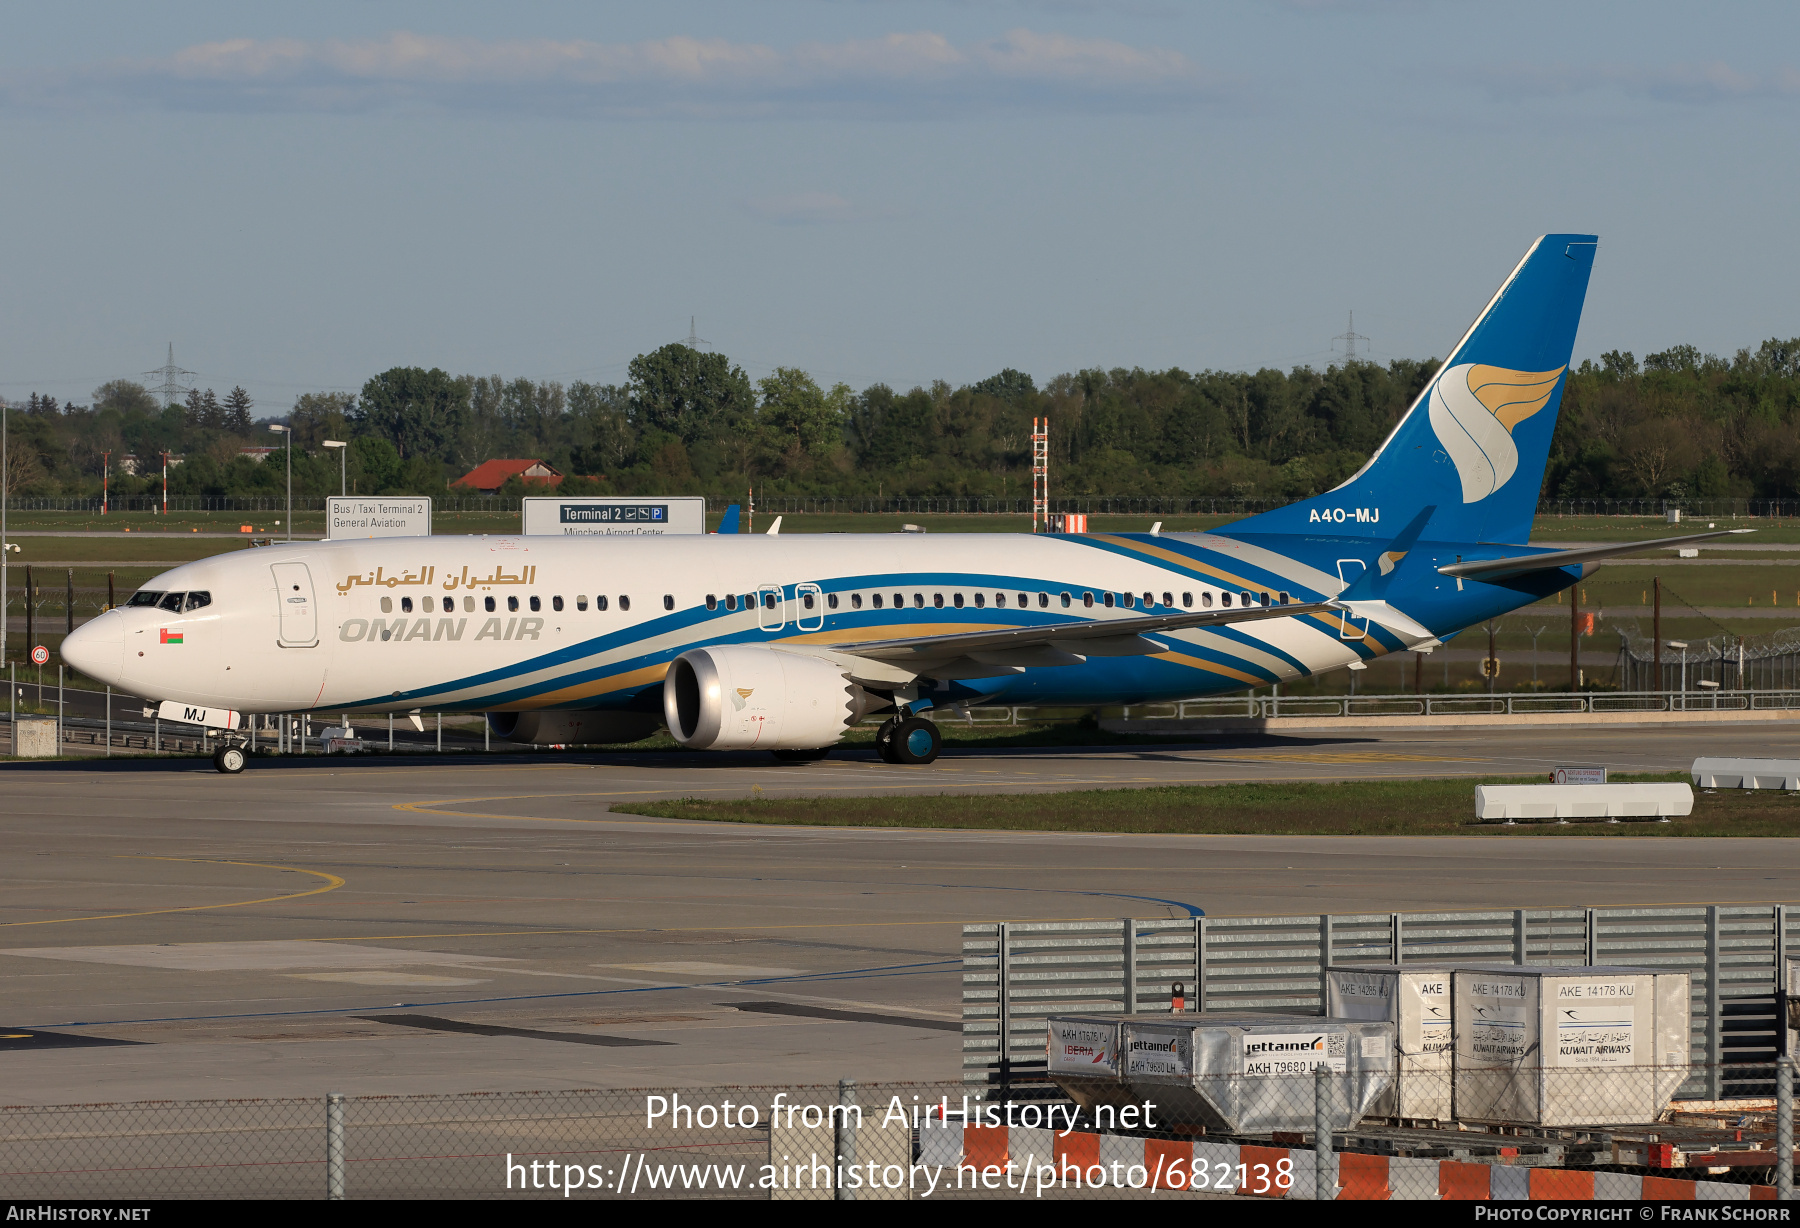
x: 781, y: 643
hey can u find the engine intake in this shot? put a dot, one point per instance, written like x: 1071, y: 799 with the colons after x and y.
x: 742, y: 696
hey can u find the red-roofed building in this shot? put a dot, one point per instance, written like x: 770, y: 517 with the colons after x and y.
x: 490, y: 476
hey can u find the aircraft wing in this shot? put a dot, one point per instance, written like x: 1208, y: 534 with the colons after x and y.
x: 1500, y: 569
x: 984, y: 654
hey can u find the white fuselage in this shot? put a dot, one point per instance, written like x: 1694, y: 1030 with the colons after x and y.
x: 515, y: 623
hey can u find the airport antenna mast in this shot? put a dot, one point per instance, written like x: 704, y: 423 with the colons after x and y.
x: 1350, y: 337
x: 171, y: 389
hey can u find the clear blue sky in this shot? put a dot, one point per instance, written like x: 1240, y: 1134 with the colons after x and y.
x: 300, y: 196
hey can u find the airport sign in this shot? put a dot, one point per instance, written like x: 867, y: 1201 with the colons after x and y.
x: 360, y: 516
x: 40, y: 655
x: 646, y: 516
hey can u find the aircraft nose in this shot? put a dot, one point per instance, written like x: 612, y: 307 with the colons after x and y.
x: 97, y: 648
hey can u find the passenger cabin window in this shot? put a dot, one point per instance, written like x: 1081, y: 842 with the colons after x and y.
x: 488, y: 603
x: 556, y: 604
x: 1284, y: 599
x: 668, y: 601
x: 599, y: 603
x: 1108, y: 601
x: 387, y: 605
x: 1187, y: 600
x: 919, y: 601
x: 196, y: 600
x: 1224, y: 600
x: 1150, y: 600
x: 1206, y: 599
x: 624, y: 602
x: 831, y: 601
x: 900, y: 600
x: 1169, y: 599
x: 937, y: 600
x: 856, y: 600
x: 512, y: 605
x: 955, y: 600
x: 469, y: 605
x: 581, y: 602
x: 1087, y: 599
x: 768, y: 601
x: 806, y: 600
x: 1065, y: 600
x: 406, y: 604
x: 535, y: 604
x: 731, y: 601
x: 1043, y: 600
x: 981, y: 600
x: 712, y: 602
x: 876, y: 601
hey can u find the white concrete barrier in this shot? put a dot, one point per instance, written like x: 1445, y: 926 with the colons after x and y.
x: 1713, y: 773
x: 1637, y: 801
x: 34, y: 738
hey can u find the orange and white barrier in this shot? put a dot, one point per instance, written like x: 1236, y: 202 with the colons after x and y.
x: 1036, y: 1160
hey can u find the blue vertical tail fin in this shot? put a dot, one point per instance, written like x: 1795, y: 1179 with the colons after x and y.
x: 1476, y: 440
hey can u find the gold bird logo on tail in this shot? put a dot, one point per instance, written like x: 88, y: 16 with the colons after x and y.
x: 1474, y: 409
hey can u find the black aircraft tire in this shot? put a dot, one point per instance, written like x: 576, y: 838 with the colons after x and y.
x: 917, y: 741
x: 229, y: 759
x: 884, y: 741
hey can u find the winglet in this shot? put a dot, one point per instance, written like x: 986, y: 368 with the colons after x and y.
x: 1374, y: 581
x: 775, y: 529
x: 728, y: 523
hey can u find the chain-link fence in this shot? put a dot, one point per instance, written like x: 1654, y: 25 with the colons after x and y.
x: 1297, y: 1108
x: 928, y: 505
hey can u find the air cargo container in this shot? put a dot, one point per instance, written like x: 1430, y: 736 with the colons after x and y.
x: 1082, y: 1056
x: 1236, y: 1072
x: 1569, y: 1046
x: 1415, y: 998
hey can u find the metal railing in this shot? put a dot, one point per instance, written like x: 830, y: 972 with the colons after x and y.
x: 1017, y: 973
x: 1520, y: 703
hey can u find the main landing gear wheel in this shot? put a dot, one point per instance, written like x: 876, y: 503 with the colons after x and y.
x: 229, y: 759
x: 802, y: 756
x: 884, y: 740
x: 916, y: 740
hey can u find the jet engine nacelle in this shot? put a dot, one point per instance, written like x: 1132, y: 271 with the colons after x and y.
x: 551, y: 727
x: 744, y: 696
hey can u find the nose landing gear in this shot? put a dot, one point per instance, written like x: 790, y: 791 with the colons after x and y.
x: 230, y: 759
x: 912, y: 740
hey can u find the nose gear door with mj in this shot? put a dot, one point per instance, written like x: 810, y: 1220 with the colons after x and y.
x: 299, y: 614
x: 1349, y: 572
x: 771, y: 608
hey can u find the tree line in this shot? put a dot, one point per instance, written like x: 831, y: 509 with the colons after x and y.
x: 689, y: 421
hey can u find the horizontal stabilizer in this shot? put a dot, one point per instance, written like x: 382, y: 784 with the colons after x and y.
x: 1500, y: 569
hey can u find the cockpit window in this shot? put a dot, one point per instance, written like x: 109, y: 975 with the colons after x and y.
x: 172, y: 602
x: 144, y: 597
x: 196, y: 600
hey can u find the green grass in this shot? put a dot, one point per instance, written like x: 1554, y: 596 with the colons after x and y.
x: 1354, y: 808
